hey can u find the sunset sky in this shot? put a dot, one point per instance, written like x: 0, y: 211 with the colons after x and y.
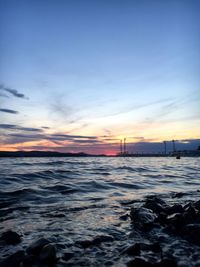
x: 81, y: 75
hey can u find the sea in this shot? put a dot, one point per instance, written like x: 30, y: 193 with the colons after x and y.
x: 69, y: 200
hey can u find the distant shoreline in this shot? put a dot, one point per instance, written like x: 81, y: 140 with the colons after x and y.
x: 38, y: 154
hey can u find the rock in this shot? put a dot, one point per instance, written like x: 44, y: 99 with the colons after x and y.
x: 48, y: 254
x: 156, y: 248
x: 198, y: 217
x: 67, y: 256
x: 14, y: 260
x: 153, y: 205
x: 190, y: 215
x: 162, y: 218
x: 102, y: 238
x: 176, y: 220
x: 190, y: 209
x: 37, y: 245
x: 177, y: 208
x: 28, y: 261
x: 178, y: 195
x: 10, y: 238
x: 192, y: 233
x: 197, y: 205
x: 85, y: 243
x: 133, y: 250
x: 109, y: 263
x: 137, y: 262
x: 157, y: 200
x: 166, y: 263
x: 142, y: 216
x: 96, y: 241
x: 124, y: 217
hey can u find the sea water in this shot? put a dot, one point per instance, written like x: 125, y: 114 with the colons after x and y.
x: 74, y: 199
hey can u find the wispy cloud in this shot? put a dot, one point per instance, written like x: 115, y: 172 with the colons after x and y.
x: 14, y: 134
x: 136, y: 106
x: 19, y: 128
x: 12, y: 92
x: 11, y: 111
x: 73, y: 136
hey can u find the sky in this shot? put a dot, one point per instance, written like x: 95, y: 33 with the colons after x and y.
x: 82, y: 75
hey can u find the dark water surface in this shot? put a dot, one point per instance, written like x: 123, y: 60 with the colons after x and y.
x: 74, y: 199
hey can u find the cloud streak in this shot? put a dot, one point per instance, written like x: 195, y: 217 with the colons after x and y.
x: 12, y: 92
x: 11, y: 111
x: 19, y: 128
x: 14, y: 134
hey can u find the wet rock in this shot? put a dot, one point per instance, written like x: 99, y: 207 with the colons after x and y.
x: 109, y: 263
x: 10, y: 238
x: 197, y: 205
x: 154, y: 205
x: 191, y: 211
x: 190, y: 215
x: 48, y: 254
x: 166, y: 263
x: 192, y: 233
x: 67, y: 256
x: 137, y: 262
x: 28, y: 261
x: 104, y: 238
x: 157, y: 200
x: 178, y: 195
x: 198, y: 217
x: 14, y: 260
x: 142, y: 216
x: 177, y: 208
x: 96, y: 241
x: 37, y: 245
x: 133, y: 250
x: 155, y: 247
x: 175, y: 220
x: 85, y: 243
x: 162, y: 218
x: 124, y: 217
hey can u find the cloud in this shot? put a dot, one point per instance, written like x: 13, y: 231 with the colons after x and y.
x: 135, y: 106
x: 62, y: 110
x: 14, y: 138
x: 72, y: 136
x: 12, y: 92
x: 45, y: 127
x: 28, y: 136
x: 14, y: 134
x: 19, y: 128
x: 11, y: 111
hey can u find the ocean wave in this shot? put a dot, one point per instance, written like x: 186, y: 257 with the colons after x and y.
x: 131, y: 169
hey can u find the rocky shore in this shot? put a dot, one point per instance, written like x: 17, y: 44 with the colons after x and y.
x: 161, y: 234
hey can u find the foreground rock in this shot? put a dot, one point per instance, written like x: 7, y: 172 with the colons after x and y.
x: 96, y: 241
x: 48, y: 254
x: 142, y: 216
x: 174, y: 230
x: 10, y: 238
x: 40, y: 253
x: 13, y: 260
x: 152, y: 233
x: 37, y: 245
